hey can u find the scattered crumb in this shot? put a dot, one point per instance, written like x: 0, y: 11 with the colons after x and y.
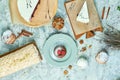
x: 70, y: 66
x: 67, y: 76
x: 65, y: 72
x: 83, y: 49
x: 90, y: 46
x: 24, y: 72
x: 81, y: 42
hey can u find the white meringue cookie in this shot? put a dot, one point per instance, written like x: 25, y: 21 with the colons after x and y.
x: 82, y: 63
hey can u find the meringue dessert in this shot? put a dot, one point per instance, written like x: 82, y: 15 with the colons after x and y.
x: 102, y: 57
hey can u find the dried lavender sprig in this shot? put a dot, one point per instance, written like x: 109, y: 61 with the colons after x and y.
x: 112, y: 37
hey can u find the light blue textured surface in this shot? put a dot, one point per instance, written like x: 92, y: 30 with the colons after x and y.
x: 43, y: 71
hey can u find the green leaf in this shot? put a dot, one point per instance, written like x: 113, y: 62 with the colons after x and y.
x: 118, y: 8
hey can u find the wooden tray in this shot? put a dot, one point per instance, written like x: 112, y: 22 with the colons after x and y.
x: 73, y: 8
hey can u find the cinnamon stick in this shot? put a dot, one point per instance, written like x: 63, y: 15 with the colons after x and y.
x: 24, y: 33
x: 103, y: 12
x: 108, y: 12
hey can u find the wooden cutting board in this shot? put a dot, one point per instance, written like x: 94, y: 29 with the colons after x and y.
x: 18, y: 59
x: 73, y: 8
x: 44, y: 11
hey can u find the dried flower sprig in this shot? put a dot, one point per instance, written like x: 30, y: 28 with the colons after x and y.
x: 112, y: 37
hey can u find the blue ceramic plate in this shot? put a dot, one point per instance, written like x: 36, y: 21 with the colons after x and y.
x: 60, y: 39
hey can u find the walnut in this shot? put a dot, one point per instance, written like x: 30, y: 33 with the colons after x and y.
x: 58, y: 23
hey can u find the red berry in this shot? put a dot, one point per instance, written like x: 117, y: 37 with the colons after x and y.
x: 63, y: 52
x: 59, y: 52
